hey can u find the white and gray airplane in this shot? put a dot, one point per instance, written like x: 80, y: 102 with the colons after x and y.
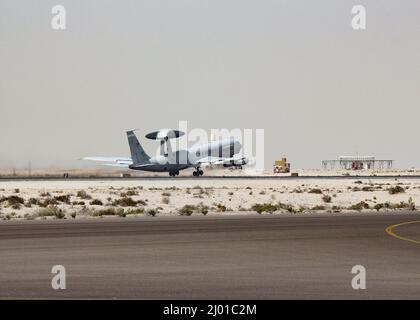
x: 221, y: 152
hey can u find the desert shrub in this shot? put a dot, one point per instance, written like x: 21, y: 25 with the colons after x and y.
x: 396, y: 189
x: 367, y: 189
x: 165, y: 200
x: 83, y: 195
x: 264, y: 207
x: 135, y: 211
x: 359, y: 206
x: 336, y: 208
x: 410, y: 205
x: 125, y: 202
x: 45, y: 194
x: 63, y: 198
x: 326, y: 198
x: 32, y: 201
x: 358, y: 182
x: 315, y: 190
x: 78, y: 203
x: 318, y: 207
x: 12, y: 200
x: 297, y: 190
x: 230, y: 193
x: 203, y: 209
x: 51, y: 211
x: 152, y: 212
x: 48, y: 202
x: 286, y: 207
x: 16, y: 206
x: 378, y: 206
x: 221, y: 208
x: 96, y: 202
x: 17, y: 190
x: 109, y: 212
x: 166, y: 194
x: 132, y: 193
x: 187, y: 210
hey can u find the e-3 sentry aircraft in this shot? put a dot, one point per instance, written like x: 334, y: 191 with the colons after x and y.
x: 221, y: 152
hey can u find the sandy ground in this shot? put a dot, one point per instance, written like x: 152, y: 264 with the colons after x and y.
x: 101, y: 171
x: 44, y: 199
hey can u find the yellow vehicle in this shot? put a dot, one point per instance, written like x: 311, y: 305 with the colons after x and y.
x: 281, y: 166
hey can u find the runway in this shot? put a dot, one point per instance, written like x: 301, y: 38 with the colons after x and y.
x: 242, y: 257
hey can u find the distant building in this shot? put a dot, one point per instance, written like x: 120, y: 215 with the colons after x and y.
x: 356, y: 163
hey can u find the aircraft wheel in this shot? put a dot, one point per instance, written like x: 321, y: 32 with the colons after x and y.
x: 195, y: 174
x: 177, y: 172
x: 200, y: 172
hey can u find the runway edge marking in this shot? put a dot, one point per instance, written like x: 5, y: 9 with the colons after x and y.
x: 390, y: 231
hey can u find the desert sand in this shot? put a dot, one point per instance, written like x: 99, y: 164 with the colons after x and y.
x: 36, y: 199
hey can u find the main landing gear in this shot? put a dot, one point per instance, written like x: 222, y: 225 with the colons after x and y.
x: 198, y: 172
x: 174, y: 173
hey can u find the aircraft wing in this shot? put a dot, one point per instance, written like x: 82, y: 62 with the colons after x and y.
x: 222, y: 161
x: 113, y: 161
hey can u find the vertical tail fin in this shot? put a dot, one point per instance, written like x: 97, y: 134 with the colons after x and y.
x: 137, y: 152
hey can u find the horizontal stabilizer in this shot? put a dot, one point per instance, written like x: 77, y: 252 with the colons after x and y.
x: 116, y: 160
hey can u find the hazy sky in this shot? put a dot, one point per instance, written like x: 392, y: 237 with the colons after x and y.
x: 294, y: 68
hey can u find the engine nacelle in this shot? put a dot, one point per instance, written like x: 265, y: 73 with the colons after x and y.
x: 159, y: 160
x: 235, y: 163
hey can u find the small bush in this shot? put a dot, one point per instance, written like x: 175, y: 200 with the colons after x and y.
x: 125, y: 202
x: 135, y: 211
x: 12, y: 200
x: 132, y: 193
x: 96, y: 202
x: 187, y: 210
x: 336, y: 209
x: 83, y: 195
x: 152, y: 212
x: 16, y: 206
x: 264, y: 207
x: 52, y: 211
x: 48, y: 202
x: 326, y: 198
x: 109, y: 212
x: 203, y: 209
x: 378, y: 206
x: 367, y: 189
x: 359, y: 206
x: 32, y: 201
x: 315, y: 190
x: 396, y: 189
x: 318, y: 207
x: 63, y: 198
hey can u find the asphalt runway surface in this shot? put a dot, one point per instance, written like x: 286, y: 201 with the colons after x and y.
x: 241, y: 257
